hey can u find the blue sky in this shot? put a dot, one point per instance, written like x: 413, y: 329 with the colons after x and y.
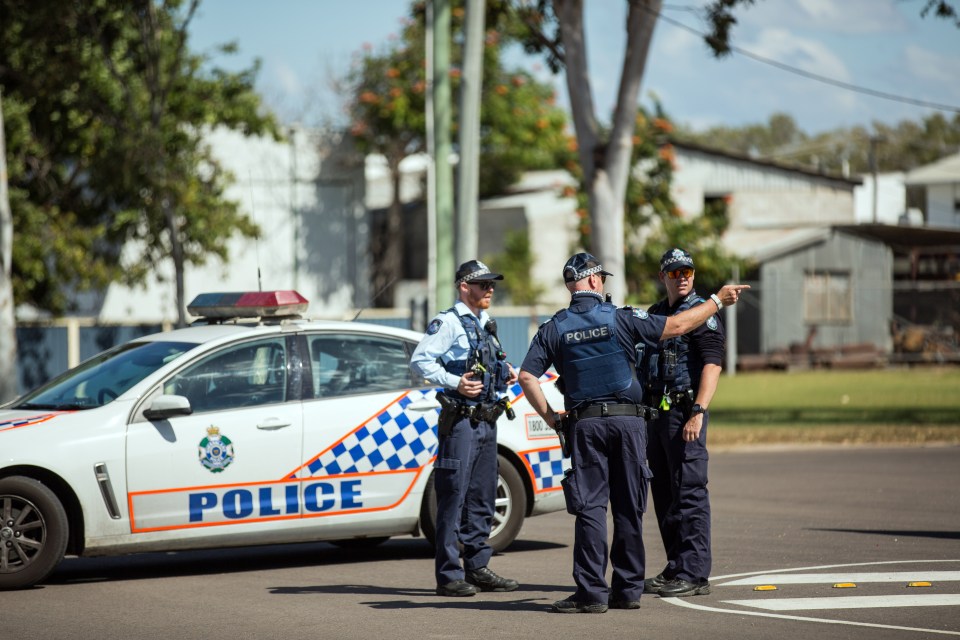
x: 881, y: 45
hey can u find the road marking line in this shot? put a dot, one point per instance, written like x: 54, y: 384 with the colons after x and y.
x: 832, y: 578
x: 682, y: 602
x: 851, y: 602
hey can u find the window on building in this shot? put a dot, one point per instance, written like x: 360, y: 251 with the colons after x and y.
x: 827, y: 298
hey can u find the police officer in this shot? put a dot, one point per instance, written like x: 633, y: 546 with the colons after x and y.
x: 460, y: 352
x: 681, y: 378
x: 592, y: 344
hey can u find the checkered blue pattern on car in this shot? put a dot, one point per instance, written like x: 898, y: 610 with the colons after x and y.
x: 547, y: 468
x: 16, y: 423
x: 393, y: 439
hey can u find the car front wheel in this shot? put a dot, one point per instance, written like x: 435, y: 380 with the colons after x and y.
x: 509, y: 510
x: 33, y: 532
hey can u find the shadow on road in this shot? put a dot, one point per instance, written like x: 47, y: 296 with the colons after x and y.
x: 940, y: 535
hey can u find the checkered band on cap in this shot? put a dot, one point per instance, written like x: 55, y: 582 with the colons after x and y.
x: 580, y: 275
x: 675, y: 259
x: 482, y: 271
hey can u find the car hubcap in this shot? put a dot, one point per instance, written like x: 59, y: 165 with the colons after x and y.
x: 502, y: 508
x: 22, y: 532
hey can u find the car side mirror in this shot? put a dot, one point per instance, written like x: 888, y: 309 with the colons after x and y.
x: 167, y: 406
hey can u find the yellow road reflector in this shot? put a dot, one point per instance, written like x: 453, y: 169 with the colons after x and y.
x: 845, y: 585
x: 765, y: 587
x: 922, y: 583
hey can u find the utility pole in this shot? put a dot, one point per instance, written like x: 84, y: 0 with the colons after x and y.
x: 470, y: 83
x: 874, y: 141
x: 441, y: 131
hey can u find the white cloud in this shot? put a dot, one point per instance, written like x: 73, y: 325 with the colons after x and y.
x: 806, y: 54
x: 286, y: 77
x: 930, y: 65
x: 846, y: 16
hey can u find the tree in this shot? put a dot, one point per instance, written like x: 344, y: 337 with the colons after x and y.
x: 8, y: 336
x: 903, y: 146
x: 108, y: 112
x: 105, y: 115
x: 555, y: 28
x: 521, y: 126
x: 654, y: 221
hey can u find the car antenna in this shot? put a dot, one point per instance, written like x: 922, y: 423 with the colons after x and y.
x: 256, y: 240
x: 382, y: 289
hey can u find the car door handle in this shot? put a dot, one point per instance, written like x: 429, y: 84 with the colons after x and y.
x: 272, y: 423
x: 426, y: 404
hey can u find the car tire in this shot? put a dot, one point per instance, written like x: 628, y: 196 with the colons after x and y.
x: 31, y: 512
x: 508, y: 515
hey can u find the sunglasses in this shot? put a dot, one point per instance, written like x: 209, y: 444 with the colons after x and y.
x: 486, y: 285
x: 680, y: 273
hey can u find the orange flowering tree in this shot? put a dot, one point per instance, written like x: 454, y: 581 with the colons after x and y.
x: 654, y: 223
x: 521, y: 127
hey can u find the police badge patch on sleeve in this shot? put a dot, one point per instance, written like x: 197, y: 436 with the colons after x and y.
x: 712, y: 323
x: 640, y: 313
x: 434, y: 326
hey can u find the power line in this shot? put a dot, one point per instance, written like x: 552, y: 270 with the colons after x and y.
x: 813, y: 76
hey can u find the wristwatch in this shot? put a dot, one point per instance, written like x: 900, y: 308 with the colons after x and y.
x: 697, y: 408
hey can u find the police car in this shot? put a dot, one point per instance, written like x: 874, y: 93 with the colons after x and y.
x: 251, y: 426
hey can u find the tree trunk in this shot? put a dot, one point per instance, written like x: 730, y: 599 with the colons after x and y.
x: 8, y: 327
x: 606, y: 166
x: 390, y: 263
x: 176, y: 253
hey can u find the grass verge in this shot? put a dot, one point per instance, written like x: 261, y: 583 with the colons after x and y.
x: 917, y: 406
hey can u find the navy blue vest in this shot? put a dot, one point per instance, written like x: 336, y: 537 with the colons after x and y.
x: 483, y: 351
x: 669, y: 368
x: 594, y: 364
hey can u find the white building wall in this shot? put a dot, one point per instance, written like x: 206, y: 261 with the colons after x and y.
x: 311, y: 222
x: 942, y: 202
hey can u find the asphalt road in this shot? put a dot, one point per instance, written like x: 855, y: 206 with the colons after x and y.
x: 800, y: 520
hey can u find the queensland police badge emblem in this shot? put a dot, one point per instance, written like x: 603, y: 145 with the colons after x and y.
x: 215, y: 451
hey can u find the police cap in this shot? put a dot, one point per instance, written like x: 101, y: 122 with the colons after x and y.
x: 581, y: 265
x: 474, y: 270
x: 675, y: 259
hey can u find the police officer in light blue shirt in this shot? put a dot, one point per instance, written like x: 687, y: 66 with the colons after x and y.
x: 460, y: 352
x: 593, y: 346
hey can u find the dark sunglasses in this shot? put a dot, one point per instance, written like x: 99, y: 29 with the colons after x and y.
x: 679, y: 273
x: 486, y: 285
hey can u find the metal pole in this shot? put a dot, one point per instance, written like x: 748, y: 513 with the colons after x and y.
x: 731, y: 350
x: 444, y: 172
x: 431, y: 174
x: 294, y: 214
x: 470, y: 83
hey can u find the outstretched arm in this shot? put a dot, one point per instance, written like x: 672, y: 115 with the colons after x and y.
x: 694, y: 317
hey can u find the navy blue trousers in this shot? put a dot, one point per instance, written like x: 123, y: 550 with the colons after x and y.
x: 608, y: 466
x: 680, y: 496
x: 465, y: 479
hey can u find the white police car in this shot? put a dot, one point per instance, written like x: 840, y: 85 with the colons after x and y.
x: 251, y: 427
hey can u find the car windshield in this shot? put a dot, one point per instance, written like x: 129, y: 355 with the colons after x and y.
x: 104, y: 377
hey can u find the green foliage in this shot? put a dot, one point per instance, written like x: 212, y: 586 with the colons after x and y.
x: 899, y: 147
x: 521, y: 128
x: 653, y: 223
x: 515, y: 263
x: 106, y: 111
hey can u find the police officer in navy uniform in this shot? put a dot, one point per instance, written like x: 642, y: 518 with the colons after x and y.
x: 461, y: 353
x: 681, y: 378
x: 593, y: 346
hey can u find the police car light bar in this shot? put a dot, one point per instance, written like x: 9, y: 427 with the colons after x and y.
x: 252, y: 304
